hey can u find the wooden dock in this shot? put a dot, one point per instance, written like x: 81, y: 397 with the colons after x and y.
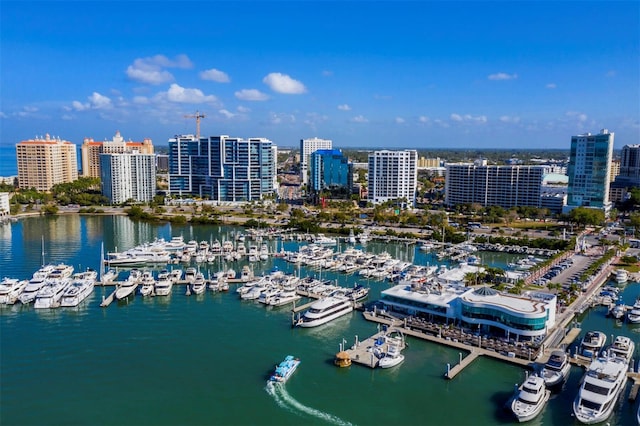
x: 367, y: 352
x: 109, y: 299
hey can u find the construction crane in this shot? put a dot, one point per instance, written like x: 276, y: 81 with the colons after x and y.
x: 197, y: 116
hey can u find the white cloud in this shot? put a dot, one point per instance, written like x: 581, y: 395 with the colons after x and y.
x: 344, y: 107
x: 215, y: 75
x: 251, y: 95
x: 423, y: 119
x: 180, y: 94
x: 67, y: 117
x: 581, y: 117
x: 467, y: 118
x: 243, y: 109
x: 313, y: 119
x: 502, y: 76
x: 359, y: 119
x: 150, y: 70
x: 141, y: 100
x: 226, y: 113
x: 96, y: 101
x: 550, y: 86
x: 282, y: 83
x: 456, y: 117
x: 281, y: 118
x: 509, y: 119
x: 399, y: 120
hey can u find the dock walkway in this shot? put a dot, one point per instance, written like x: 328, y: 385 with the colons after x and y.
x: 368, y: 351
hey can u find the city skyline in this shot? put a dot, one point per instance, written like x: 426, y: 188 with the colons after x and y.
x: 415, y: 75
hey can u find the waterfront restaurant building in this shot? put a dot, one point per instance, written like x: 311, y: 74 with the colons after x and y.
x: 484, y: 309
x: 222, y: 168
x: 45, y: 162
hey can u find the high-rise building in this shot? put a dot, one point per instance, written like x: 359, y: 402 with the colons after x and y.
x: 307, y: 146
x: 5, y: 207
x: 628, y: 175
x: 91, y: 150
x: 222, y: 168
x: 128, y: 176
x: 330, y: 169
x: 589, y: 170
x: 393, y: 176
x: 44, y: 162
x: 492, y: 185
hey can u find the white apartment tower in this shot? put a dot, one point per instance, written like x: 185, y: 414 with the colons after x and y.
x: 308, y: 146
x: 128, y: 176
x: 393, y: 176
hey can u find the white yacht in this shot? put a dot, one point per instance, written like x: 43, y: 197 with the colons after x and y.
x: 325, y: 310
x: 592, y: 343
x: 10, y: 289
x: 622, y: 276
x: 34, y: 285
x: 284, y: 297
x: 623, y: 347
x: 175, y: 275
x: 50, y: 294
x: 602, y: 384
x: 392, y: 357
x: 557, y: 368
x: 531, y: 400
x: 128, y: 288
x: 147, y: 284
x: 190, y: 274
x: 82, y: 285
x: 61, y: 271
x: 617, y: 311
x: 164, y: 283
x: 110, y: 275
x: 351, y: 239
x: 199, y: 284
x: 633, y: 316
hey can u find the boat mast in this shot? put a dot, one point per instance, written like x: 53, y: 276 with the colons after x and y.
x: 42, y: 252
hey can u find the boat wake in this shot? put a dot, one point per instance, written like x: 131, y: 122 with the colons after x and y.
x: 286, y: 401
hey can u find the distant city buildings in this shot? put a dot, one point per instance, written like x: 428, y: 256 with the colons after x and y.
x: 45, y: 162
x: 589, y: 170
x: 628, y: 175
x: 493, y: 185
x: 393, y: 176
x: 330, y: 169
x: 91, y: 150
x: 128, y: 176
x: 5, y: 207
x: 222, y: 168
x: 307, y: 146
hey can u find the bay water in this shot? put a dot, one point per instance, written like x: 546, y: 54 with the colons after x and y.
x: 205, y: 360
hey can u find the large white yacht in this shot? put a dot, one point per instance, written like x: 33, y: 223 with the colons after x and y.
x: 602, y: 384
x: 81, y: 287
x: 10, y: 289
x: 199, y: 284
x: 325, y: 310
x: 531, y: 399
x: 34, y: 285
x: 623, y: 347
x: 128, y: 288
x: 633, y: 316
x: 557, y: 368
x: 147, y: 284
x: 50, y: 294
x: 592, y: 343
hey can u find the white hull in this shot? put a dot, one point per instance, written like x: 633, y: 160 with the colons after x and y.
x: 50, y: 295
x: 390, y: 361
x: 163, y: 290
x: 75, y: 299
x: 125, y: 291
x: 612, y: 384
x: 9, y: 291
x: 314, y: 319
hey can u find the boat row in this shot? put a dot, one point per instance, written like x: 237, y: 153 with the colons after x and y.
x: 51, y: 286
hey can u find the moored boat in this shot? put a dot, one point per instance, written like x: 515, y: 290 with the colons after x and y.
x: 623, y: 347
x: 82, y: 285
x: 199, y: 284
x: 10, y: 289
x: 325, y: 310
x: 592, y: 343
x: 285, y: 369
x: 392, y: 356
x: 50, y: 294
x: 147, y: 284
x: 128, y: 288
x: 622, y: 276
x: 531, y: 399
x: 557, y: 368
x: 164, y: 284
x: 633, y: 316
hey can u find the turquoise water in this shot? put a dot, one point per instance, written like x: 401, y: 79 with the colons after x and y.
x: 206, y: 359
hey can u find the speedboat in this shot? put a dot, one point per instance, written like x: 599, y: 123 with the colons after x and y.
x: 623, y: 347
x: 10, y: 289
x: 592, y: 343
x: 147, y: 284
x: 392, y: 357
x: 602, y: 384
x: 285, y: 369
x: 531, y: 400
x: 81, y: 287
x: 325, y: 310
x: 633, y: 316
x: 128, y: 288
x: 50, y: 294
x: 557, y: 369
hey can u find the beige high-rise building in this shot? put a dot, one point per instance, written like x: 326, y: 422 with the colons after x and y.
x: 91, y: 151
x: 45, y: 162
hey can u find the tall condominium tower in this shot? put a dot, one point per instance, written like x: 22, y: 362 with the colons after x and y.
x: 44, y: 162
x: 491, y: 185
x: 222, y: 168
x: 393, y: 176
x: 330, y: 169
x: 91, y: 150
x: 589, y: 170
x: 128, y: 176
x: 307, y: 146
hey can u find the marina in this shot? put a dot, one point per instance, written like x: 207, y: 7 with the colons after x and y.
x: 137, y: 319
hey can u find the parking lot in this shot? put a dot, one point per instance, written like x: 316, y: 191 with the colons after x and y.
x: 567, y: 272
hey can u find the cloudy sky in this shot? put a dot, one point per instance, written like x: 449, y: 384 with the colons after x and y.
x: 372, y: 74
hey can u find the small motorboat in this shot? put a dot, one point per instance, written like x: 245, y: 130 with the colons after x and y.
x: 392, y: 357
x: 285, y: 369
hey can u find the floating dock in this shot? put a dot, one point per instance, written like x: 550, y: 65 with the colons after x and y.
x: 367, y: 352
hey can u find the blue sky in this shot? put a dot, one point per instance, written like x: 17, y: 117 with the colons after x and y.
x: 371, y: 74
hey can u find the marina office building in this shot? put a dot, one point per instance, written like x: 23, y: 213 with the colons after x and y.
x: 589, y: 170
x: 484, y: 309
x: 308, y: 146
x: 128, y: 176
x: 393, y: 176
x: 45, y: 162
x: 222, y: 168
x: 493, y: 185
